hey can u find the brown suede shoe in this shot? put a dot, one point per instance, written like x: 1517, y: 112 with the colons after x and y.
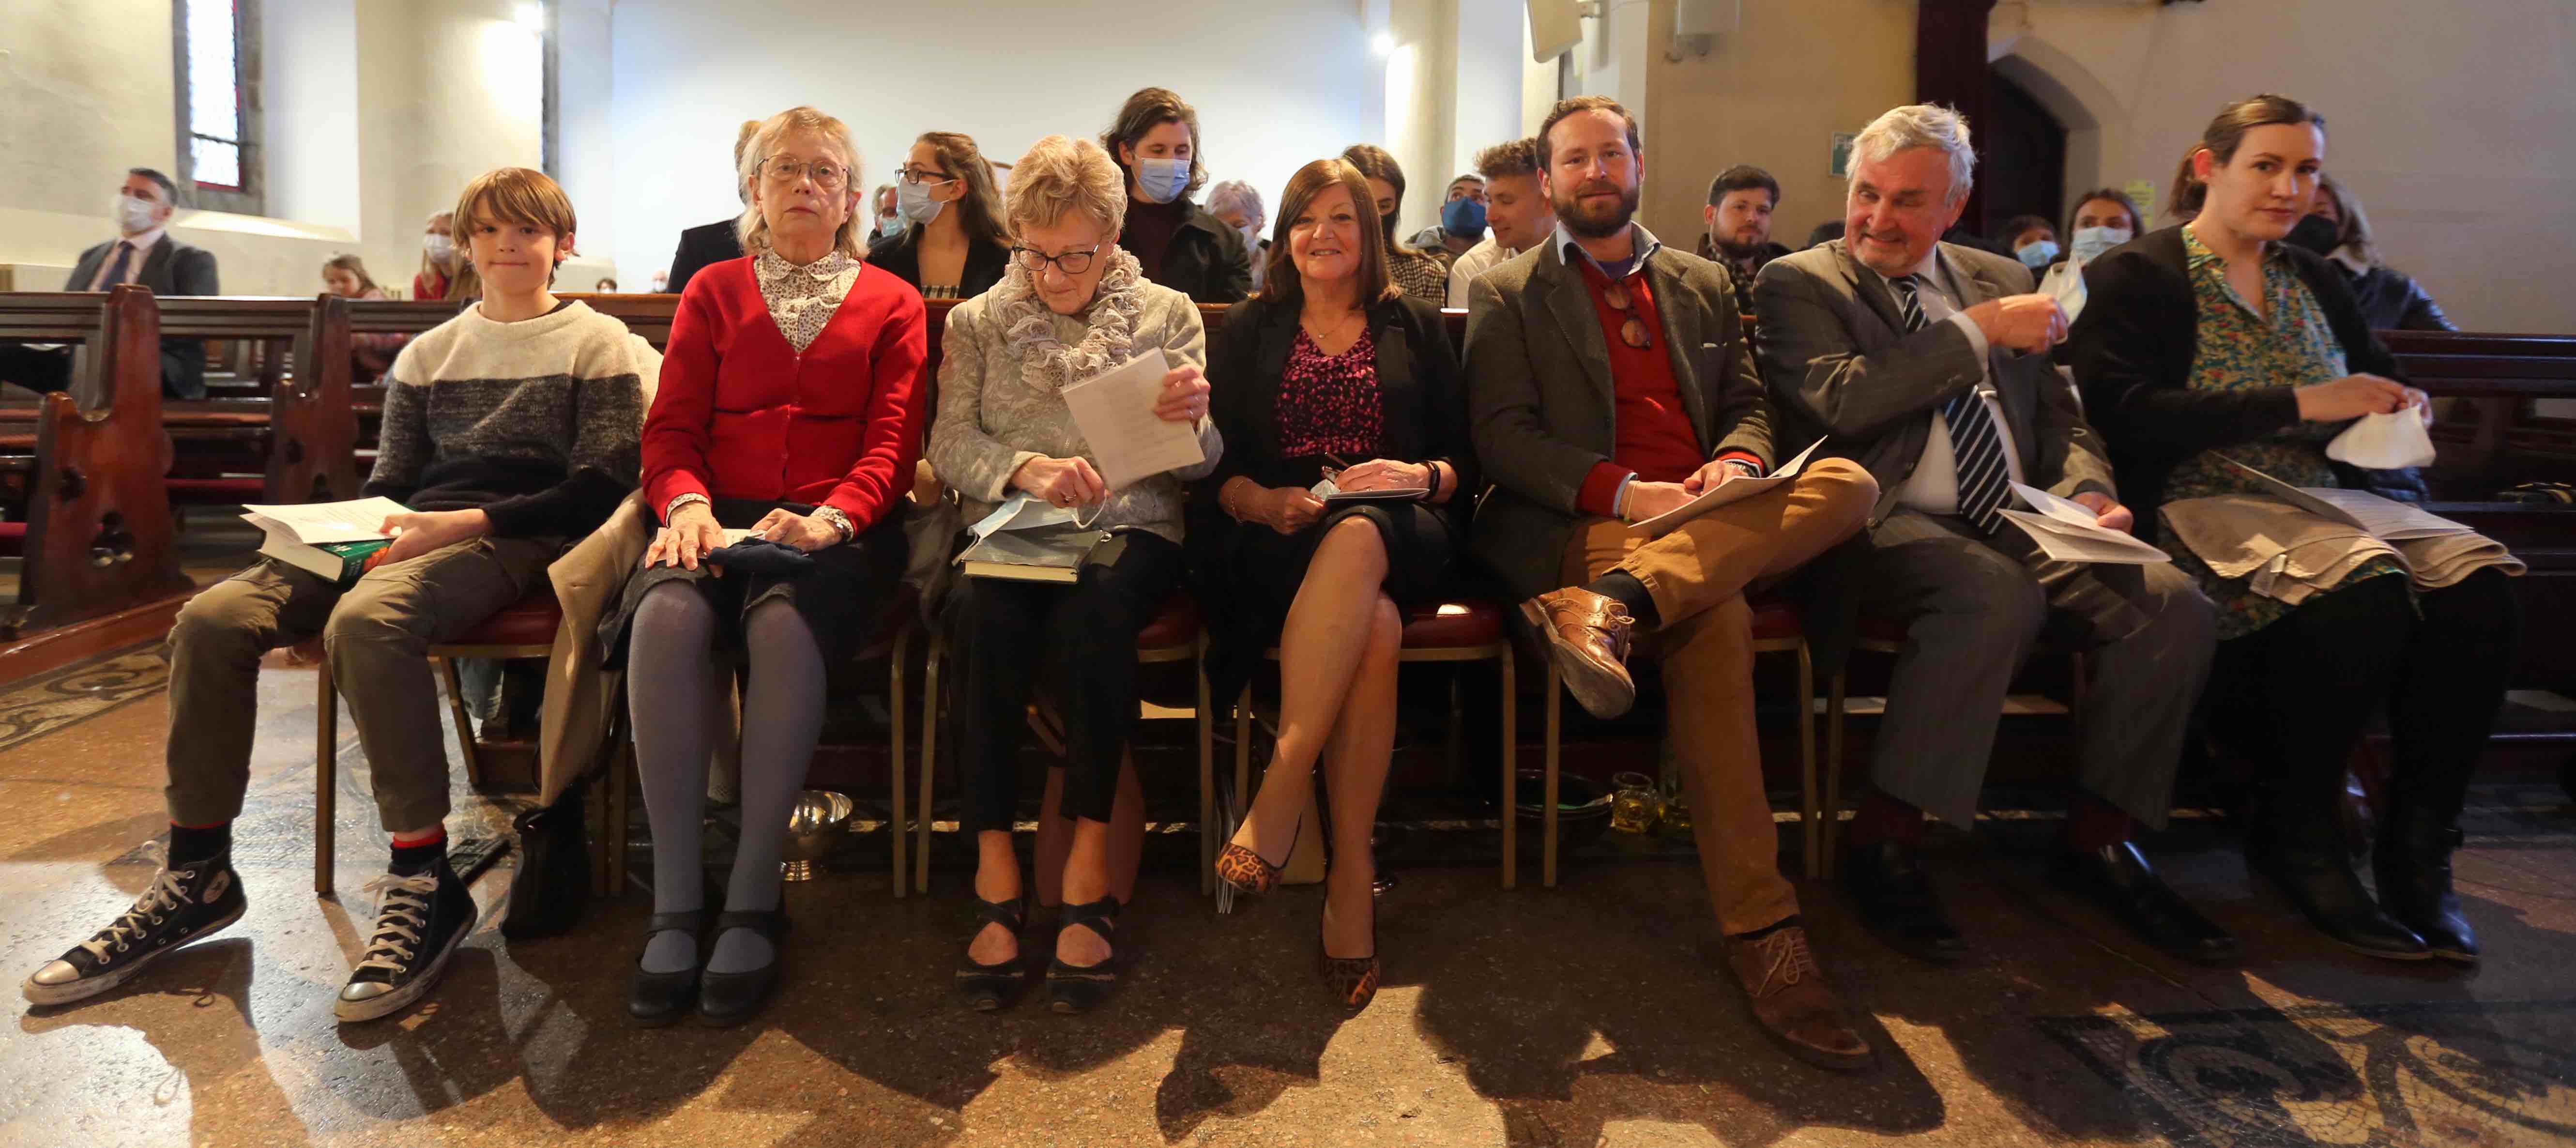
x: 1587, y: 635
x: 1790, y: 998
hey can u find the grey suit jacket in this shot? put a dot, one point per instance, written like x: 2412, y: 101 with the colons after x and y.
x: 1541, y: 406
x: 170, y: 268
x: 1839, y: 365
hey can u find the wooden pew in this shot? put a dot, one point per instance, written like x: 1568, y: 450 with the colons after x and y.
x: 98, y: 530
x: 303, y: 434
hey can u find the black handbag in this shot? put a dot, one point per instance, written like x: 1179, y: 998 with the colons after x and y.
x: 553, y: 882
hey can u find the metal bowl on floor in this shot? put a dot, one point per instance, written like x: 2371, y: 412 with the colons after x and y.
x: 814, y: 826
x: 1582, y: 811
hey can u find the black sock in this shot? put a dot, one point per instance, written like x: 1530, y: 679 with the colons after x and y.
x: 414, y: 860
x: 197, y: 843
x: 1624, y: 588
x: 1788, y: 922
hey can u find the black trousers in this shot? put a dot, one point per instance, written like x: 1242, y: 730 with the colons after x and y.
x: 2298, y: 692
x: 1084, y: 636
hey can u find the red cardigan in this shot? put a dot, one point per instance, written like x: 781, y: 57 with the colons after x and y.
x: 741, y: 415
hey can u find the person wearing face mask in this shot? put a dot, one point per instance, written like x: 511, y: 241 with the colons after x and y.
x: 1422, y: 272
x: 1238, y: 206
x: 2103, y: 219
x: 2390, y: 300
x: 445, y: 272
x: 1155, y: 141
x: 951, y: 244
x: 1928, y: 362
x: 1460, y: 228
x: 142, y: 253
x: 711, y: 243
x: 2215, y: 343
x: 885, y: 213
x: 2032, y: 240
x: 1517, y: 213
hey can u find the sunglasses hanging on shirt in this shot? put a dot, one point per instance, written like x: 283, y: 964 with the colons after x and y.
x: 1632, y: 330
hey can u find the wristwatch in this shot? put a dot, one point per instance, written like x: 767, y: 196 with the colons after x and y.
x: 839, y: 522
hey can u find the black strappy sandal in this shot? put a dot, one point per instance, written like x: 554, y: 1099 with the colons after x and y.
x: 656, y: 999
x: 728, y: 999
x: 1073, y: 989
x: 992, y: 988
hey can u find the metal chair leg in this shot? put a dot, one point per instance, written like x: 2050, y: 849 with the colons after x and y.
x: 894, y: 761
x: 1511, y: 774
x: 1207, y: 778
x: 1555, y: 746
x: 464, y: 724
x: 1833, y: 812
x: 326, y: 783
x: 1809, y: 816
x: 930, y: 698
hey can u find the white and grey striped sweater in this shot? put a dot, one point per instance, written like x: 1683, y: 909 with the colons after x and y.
x: 537, y: 422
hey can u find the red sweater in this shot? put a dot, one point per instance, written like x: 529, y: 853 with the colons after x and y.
x: 741, y: 415
x: 1653, y: 439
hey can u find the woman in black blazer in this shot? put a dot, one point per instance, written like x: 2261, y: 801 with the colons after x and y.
x: 952, y: 244
x: 1329, y: 372
x: 2212, y: 342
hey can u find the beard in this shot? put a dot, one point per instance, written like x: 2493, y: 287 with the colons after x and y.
x: 1592, y: 222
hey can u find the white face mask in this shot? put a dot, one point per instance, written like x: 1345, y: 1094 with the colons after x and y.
x: 1252, y: 237
x: 2090, y: 242
x: 133, y: 216
x: 441, y: 249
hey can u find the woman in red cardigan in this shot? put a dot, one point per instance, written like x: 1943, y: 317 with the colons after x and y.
x: 791, y: 404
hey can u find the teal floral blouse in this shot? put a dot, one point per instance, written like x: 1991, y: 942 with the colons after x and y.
x: 2238, y: 349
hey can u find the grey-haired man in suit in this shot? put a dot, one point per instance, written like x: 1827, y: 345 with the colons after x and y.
x: 144, y: 253
x: 1927, y: 362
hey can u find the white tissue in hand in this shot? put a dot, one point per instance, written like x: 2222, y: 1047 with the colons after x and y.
x: 2384, y: 442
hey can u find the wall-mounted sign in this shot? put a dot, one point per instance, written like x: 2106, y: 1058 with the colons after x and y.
x: 1840, y: 167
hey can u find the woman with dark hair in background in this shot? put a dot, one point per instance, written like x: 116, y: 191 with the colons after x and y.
x: 2337, y: 229
x: 1155, y: 141
x: 2213, y: 344
x: 2031, y: 239
x: 1422, y: 273
x: 2103, y: 219
x: 370, y: 356
x: 949, y: 242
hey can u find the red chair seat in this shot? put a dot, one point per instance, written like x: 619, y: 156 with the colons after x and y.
x: 1176, y: 625
x: 1453, y: 625
x: 531, y: 621
x: 1774, y: 621
x: 228, y: 490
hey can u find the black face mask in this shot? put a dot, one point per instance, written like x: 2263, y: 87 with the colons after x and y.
x: 2316, y: 233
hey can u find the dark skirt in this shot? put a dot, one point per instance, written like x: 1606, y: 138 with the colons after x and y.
x: 1257, y: 572
x: 841, y: 598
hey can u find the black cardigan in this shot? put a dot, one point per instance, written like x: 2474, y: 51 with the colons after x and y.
x: 986, y: 261
x: 2132, y: 350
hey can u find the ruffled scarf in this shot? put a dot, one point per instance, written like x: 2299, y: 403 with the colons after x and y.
x: 1046, y: 363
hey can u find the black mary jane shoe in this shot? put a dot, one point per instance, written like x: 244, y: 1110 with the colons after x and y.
x: 728, y: 999
x: 1075, y: 989
x: 657, y: 999
x: 2118, y: 878
x: 992, y: 988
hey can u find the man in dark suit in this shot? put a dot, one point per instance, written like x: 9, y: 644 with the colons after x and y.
x: 1608, y: 383
x: 142, y: 253
x: 1927, y: 362
x: 719, y: 241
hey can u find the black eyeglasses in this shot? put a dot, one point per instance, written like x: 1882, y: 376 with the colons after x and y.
x: 918, y: 176
x: 1071, y: 262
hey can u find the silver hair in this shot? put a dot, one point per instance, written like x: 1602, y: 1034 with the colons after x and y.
x: 1922, y: 125
x: 1236, y: 193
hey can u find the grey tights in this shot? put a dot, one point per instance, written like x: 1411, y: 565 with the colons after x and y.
x: 668, y: 689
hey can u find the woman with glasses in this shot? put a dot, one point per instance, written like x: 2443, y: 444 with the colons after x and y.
x: 791, y: 405
x: 949, y: 242
x: 1330, y: 372
x: 1073, y: 305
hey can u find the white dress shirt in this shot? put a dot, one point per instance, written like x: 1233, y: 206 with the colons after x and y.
x: 1483, y: 257
x: 1934, y: 486
x: 143, y: 245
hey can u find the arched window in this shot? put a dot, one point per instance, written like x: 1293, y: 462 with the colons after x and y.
x: 216, y: 56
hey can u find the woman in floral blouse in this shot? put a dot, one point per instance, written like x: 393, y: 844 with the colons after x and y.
x: 2213, y: 343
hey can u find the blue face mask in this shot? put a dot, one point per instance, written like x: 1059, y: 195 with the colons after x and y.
x: 912, y: 203
x: 2037, y: 254
x: 1463, y: 218
x: 2090, y: 242
x: 1162, y: 180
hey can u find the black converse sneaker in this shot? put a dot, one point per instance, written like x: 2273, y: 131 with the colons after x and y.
x: 183, y: 903
x: 420, y: 919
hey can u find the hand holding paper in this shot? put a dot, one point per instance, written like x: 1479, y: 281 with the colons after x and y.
x: 1117, y: 411
x: 1733, y: 490
x: 2070, y: 531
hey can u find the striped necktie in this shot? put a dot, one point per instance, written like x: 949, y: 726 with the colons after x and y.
x: 1976, y: 450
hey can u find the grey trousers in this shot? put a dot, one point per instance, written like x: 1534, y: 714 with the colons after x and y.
x: 377, y: 632
x: 1971, y: 612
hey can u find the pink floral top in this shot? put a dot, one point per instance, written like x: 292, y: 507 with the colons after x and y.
x: 1329, y: 404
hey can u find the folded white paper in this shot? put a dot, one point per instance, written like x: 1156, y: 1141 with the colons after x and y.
x: 2383, y: 518
x: 2384, y: 442
x: 1732, y: 490
x: 2069, y: 532
x: 1115, y: 410
x: 318, y: 522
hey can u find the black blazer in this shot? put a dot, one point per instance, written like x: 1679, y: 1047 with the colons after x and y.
x: 986, y: 261
x: 170, y: 268
x: 1206, y: 260
x: 700, y: 247
x: 2132, y: 350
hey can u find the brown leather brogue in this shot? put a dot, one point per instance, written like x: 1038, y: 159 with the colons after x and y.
x: 1587, y: 635
x: 1793, y: 1002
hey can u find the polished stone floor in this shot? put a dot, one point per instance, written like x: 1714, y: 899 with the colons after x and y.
x: 1587, y: 1014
